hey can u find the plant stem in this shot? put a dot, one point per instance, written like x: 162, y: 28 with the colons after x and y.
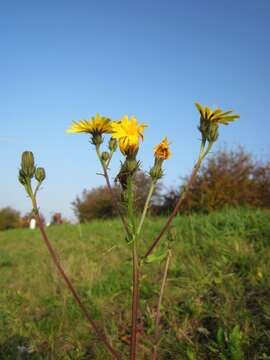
x: 161, y: 293
x: 114, y: 199
x: 180, y: 200
x: 146, y: 206
x: 135, y: 302
x: 100, y: 334
x: 135, y: 275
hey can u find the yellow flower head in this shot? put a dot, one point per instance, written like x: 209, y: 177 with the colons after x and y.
x: 97, y: 125
x: 128, y: 132
x: 216, y: 116
x: 162, y: 150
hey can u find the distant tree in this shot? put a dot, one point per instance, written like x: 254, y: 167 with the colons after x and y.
x: 228, y: 178
x: 9, y: 218
x: 57, y: 219
x: 94, y: 203
x: 97, y: 203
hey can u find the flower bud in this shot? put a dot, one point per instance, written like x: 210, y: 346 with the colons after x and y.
x: 96, y: 139
x: 128, y: 168
x: 212, y: 135
x: 112, y: 144
x: 40, y: 174
x: 131, y: 166
x: 156, y: 171
x: 105, y: 156
x: 21, y: 177
x: 204, y: 128
x: 28, y: 164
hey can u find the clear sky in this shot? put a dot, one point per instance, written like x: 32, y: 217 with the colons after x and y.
x: 66, y: 60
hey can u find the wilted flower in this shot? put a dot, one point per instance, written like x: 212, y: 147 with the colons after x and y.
x: 162, y: 150
x: 128, y: 132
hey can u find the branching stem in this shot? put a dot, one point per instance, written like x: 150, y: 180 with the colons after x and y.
x: 181, y: 198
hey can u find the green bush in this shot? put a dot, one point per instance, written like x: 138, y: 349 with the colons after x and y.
x: 97, y: 203
x: 9, y: 218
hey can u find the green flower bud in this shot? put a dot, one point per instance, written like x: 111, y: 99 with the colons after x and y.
x: 128, y: 168
x: 40, y: 174
x: 204, y: 128
x: 28, y: 164
x: 156, y: 171
x: 212, y: 135
x: 21, y: 177
x: 131, y: 166
x: 105, y: 156
x: 112, y: 144
x: 96, y: 139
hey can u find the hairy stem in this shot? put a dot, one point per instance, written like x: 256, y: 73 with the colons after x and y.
x: 135, y: 302
x: 100, y: 334
x: 114, y: 199
x: 161, y: 293
x: 135, y: 275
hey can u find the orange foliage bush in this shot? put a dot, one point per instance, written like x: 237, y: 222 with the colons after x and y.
x: 230, y: 178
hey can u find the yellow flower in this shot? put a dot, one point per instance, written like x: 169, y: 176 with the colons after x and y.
x: 162, y: 150
x: 96, y: 126
x: 216, y: 116
x: 128, y: 132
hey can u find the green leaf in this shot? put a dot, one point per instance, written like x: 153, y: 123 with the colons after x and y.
x: 158, y: 257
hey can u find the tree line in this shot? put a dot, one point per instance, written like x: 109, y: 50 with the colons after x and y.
x: 228, y: 178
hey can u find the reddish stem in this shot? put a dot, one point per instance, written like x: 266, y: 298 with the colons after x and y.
x: 102, y: 337
x: 175, y: 210
x: 135, y: 304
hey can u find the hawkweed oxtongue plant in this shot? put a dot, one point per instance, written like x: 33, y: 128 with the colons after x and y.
x: 127, y: 135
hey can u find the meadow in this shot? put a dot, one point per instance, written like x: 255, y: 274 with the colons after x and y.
x: 217, y: 298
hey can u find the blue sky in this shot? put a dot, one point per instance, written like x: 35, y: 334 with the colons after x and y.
x: 65, y: 60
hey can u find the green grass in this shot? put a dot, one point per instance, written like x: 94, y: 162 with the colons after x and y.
x: 217, y: 300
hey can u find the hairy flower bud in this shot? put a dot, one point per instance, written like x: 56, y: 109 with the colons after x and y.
x: 128, y: 168
x: 21, y: 177
x: 28, y: 164
x: 212, y: 135
x: 156, y: 171
x: 112, y: 144
x: 96, y: 139
x: 40, y: 174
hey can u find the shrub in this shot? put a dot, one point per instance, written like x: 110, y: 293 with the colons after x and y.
x: 96, y: 203
x: 9, y: 218
x: 93, y: 204
x: 231, y: 178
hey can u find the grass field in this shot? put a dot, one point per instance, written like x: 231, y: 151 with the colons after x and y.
x: 217, y: 300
